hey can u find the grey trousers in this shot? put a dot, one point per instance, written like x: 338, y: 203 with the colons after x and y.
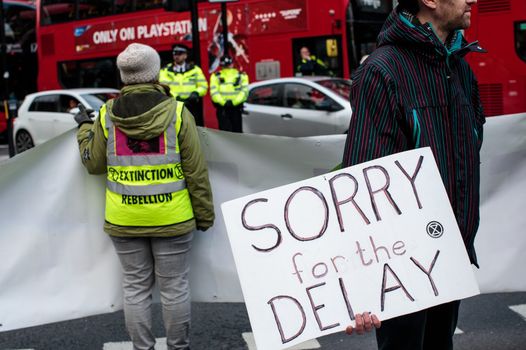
x: 168, y: 258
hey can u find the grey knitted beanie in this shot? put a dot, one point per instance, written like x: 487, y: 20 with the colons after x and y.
x: 138, y: 64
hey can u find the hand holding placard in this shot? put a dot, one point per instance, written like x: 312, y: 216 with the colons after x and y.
x: 365, y: 322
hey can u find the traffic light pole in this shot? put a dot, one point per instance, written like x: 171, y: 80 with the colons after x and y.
x: 196, y: 44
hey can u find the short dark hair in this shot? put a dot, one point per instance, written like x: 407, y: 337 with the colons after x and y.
x: 409, y: 5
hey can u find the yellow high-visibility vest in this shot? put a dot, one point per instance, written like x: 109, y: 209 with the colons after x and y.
x: 145, y: 184
x: 183, y: 84
x: 229, y: 84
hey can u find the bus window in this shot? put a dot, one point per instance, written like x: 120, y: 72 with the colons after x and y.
x: 374, y: 6
x: 57, y: 11
x: 67, y: 74
x: 520, y: 39
x: 90, y: 8
x: 123, y: 6
x: 326, y: 48
x: 21, y: 59
x: 98, y: 73
x: 21, y: 23
x: 90, y: 73
x: 365, y: 19
x: 148, y: 4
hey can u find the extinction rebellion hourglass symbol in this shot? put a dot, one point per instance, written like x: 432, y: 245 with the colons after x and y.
x: 435, y: 229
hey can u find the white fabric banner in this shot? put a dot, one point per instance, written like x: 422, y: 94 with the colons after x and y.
x: 58, y: 264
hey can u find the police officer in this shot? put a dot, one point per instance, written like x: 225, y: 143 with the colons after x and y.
x: 229, y: 90
x: 187, y: 82
x: 311, y: 65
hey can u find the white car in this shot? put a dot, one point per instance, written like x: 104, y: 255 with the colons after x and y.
x: 44, y: 115
x: 297, y: 107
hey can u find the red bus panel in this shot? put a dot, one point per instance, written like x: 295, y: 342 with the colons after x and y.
x: 500, y: 28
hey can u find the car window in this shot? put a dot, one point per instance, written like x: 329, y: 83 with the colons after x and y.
x: 67, y: 103
x: 96, y: 100
x: 303, y: 96
x: 46, y: 103
x: 269, y: 95
x: 299, y: 96
x: 340, y: 86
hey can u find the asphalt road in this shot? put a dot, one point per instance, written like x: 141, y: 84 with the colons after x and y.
x: 4, y: 152
x: 486, y: 322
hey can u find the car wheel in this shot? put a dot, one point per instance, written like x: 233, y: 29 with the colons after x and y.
x: 23, y: 141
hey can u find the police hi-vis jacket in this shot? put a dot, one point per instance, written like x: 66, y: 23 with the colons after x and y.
x: 157, y: 182
x: 229, y: 84
x: 182, y: 84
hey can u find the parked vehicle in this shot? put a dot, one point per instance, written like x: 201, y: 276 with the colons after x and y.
x: 47, y: 114
x: 298, y: 107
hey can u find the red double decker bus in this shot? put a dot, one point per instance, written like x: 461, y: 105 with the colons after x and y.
x: 80, y: 39
x: 500, y: 28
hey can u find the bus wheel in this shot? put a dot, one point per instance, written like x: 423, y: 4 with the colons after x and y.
x: 23, y: 141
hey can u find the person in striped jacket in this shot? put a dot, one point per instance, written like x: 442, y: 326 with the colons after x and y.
x: 416, y: 90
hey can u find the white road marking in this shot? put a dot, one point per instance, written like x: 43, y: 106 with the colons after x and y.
x: 520, y: 309
x: 310, y: 344
x: 160, y: 344
x: 459, y: 331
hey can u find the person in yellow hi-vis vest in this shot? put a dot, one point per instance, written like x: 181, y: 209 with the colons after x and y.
x: 229, y: 90
x: 311, y: 65
x: 187, y: 82
x: 157, y: 193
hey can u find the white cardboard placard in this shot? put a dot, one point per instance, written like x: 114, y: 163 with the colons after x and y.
x: 379, y: 236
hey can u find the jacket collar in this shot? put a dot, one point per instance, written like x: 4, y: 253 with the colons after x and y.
x: 403, y: 28
x: 142, y: 88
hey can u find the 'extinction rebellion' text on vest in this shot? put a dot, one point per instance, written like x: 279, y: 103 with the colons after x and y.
x: 149, y: 199
x: 175, y: 172
x: 141, y: 175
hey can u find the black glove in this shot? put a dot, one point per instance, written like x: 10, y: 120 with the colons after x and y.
x: 203, y: 226
x: 178, y: 98
x: 193, y: 98
x: 229, y: 104
x: 83, y: 116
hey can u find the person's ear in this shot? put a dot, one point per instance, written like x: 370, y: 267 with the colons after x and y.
x: 430, y: 4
